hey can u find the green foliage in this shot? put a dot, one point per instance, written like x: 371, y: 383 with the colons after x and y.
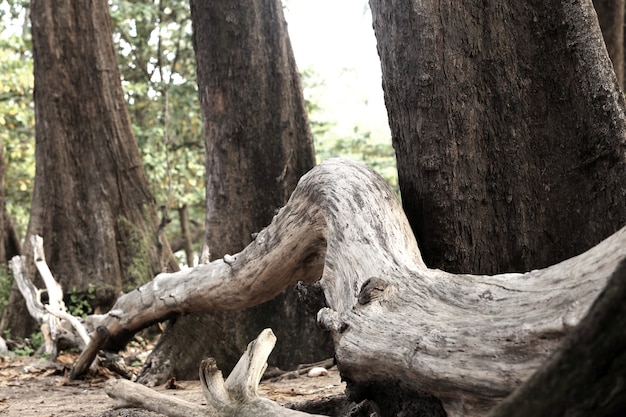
x: 377, y: 153
x: 36, y: 340
x: 79, y: 302
x: 6, y: 280
x: 25, y: 350
x: 30, y: 345
x: 157, y: 62
x: 17, y: 116
x: 362, y: 146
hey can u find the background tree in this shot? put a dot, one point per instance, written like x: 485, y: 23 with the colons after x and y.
x: 9, y: 243
x: 508, y: 127
x: 91, y: 200
x: 258, y: 145
x: 17, y: 123
x: 16, y: 136
x: 157, y: 62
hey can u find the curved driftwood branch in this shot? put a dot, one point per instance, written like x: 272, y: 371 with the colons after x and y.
x: 52, y: 316
x: 237, y: 397
x: 468, y: 340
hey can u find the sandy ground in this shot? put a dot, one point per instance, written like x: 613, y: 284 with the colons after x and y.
x: 31, y: 387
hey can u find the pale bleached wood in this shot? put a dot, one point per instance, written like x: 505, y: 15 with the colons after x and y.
x: 130, y: 394
x: 237, y: 397
x: 467, y: 340
x: 53, y: 288
x: 31, y: 294
x: 52, y: 315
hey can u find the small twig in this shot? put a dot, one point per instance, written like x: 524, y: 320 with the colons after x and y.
x: 75, y: 322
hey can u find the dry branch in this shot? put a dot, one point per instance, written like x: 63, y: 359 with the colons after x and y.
x: 53, y: 317
x: 236, y: 397
x: 467, y: 340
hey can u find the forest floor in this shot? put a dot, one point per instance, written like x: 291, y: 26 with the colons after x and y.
x: 33, y: 387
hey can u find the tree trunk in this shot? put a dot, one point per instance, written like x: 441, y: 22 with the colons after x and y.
x: 417, y: 341
x: 183, y: 218
x: 91, y: 200
x: 9, y: 241
x: 258, y: 145
x: 611, y: 19
x: 508, y: 126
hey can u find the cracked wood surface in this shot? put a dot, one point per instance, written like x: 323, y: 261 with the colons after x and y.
x: 469, y: 340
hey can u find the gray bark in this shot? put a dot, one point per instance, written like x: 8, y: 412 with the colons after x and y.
x: 91, y: 193
x: 466, y: 340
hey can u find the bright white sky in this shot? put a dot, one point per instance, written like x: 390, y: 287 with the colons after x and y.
x: 336, y: 39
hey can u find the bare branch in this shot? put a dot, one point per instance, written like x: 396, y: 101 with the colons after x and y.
x: 236, y: 398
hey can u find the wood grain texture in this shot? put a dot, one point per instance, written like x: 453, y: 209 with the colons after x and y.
x: 235, y: 397
x: 468, y: 340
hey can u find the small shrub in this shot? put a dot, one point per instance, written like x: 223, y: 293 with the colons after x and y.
x: 79, y: 302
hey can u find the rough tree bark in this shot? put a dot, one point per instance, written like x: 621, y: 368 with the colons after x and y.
x: 509, y: 129
x: 258, y: 145
x: 611, y: 19
x: 91, y: 200
x: 9, y: 241
x: 446, y: 343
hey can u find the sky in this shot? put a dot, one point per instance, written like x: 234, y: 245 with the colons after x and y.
x: 335, y: 38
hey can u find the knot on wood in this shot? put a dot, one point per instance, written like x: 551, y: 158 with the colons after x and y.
x: 373, y: 289
x: 330, y: 320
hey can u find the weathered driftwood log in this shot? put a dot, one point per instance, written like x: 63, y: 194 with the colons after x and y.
x: 585, y: 376
x: 236, y: 397
x: 467, y: 340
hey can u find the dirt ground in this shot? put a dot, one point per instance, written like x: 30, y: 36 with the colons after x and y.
x: 31, y: 387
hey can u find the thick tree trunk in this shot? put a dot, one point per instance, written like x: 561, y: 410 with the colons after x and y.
x: 410, y: 338
x: 9, y: 243
x: 611, y: 19
x: 508, y: 126
x: 258, y: 145
x: 91, y: 201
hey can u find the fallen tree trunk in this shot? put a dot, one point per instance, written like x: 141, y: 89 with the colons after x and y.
x: 465, y: 341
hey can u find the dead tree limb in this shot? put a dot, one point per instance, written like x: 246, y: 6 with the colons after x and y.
x: 55, y: 321
x: 585, y: 376
x: 236, y: 397
x: 467, y: 340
